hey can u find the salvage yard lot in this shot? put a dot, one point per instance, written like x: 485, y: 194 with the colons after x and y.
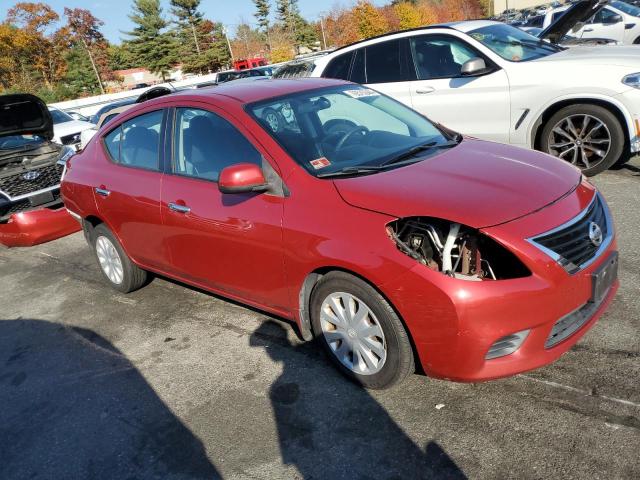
x: 171, y: 382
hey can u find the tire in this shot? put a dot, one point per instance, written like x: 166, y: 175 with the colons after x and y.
x: 589, y: 151
x: 109, y: 252
x: 377, y: 373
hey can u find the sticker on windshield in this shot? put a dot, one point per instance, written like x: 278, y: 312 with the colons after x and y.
x: 361, y: 92
x: 319, y: 163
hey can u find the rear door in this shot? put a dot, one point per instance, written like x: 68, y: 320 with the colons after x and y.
x: 128, y: 194
x: 478, y: 106
x: 229, y: 242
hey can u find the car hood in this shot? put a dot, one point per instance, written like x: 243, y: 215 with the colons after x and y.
x: 613, y: 55
x: 69, y: 128
x: 477, y: 183
x: 579, y: 12
x: 24, y: 114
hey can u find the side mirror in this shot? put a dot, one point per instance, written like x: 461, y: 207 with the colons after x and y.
x: 474, y: 66
x: 242, y: 178
x: 613, y: 19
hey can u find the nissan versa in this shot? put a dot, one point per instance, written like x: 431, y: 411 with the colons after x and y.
x: 388, y: 238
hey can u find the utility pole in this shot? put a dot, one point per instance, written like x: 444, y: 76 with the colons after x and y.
x: 324, y: 39
x: 224, y: 31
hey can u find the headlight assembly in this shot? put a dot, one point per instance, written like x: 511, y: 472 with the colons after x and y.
x: 455, y: 250
x: 65, y: 154
x: 632, y: 80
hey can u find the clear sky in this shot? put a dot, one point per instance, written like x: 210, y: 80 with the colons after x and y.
x: 114, y: 13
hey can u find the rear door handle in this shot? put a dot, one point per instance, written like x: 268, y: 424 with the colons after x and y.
x: 179, y: 208
x: 102, y: 191
x: 424, y: 90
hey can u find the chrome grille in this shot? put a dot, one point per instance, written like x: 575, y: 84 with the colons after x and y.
x: 11, y: 208
x: 16, y: 185
x: 571, y: 323
x: 72, y: 139
x: 570, y: 244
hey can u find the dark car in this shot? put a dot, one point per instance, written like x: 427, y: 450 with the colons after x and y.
x: 31, y: 167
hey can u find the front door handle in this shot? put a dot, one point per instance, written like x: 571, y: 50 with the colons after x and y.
x: 588, y: 29
x: 103, y: 191
x: 424, y: 90
x: 179, y: 208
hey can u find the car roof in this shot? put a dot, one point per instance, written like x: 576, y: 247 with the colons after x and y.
x: 248, y: 92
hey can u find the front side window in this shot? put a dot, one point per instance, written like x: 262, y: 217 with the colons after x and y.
x: 603, y: 15
x: 331, y: 130
x: 205, y: 143
x: 513, y: 44
x: 136, y: 142
x: 58, y: 116
x: 625, y: 7
x: 440, y: 56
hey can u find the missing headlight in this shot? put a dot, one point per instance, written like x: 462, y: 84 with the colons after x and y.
x: 454, y: 249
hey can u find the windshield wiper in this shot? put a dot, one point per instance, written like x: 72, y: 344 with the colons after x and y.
x: 412, y: 152
x: 351, y: 171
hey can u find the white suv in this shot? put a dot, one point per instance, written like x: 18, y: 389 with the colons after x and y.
x: 493, y: 81
x: 618, y: 21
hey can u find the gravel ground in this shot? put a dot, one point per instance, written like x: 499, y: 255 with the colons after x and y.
x: 174, y: 383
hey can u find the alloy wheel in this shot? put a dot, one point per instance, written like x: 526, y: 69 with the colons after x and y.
x: 580, y: 139
x: 109, y: 260
x: 353, y: 333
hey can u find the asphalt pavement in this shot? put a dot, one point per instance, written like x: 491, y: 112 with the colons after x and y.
x: 170, y: 382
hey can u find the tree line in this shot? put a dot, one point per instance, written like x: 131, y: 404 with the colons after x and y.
x: 62, y: 57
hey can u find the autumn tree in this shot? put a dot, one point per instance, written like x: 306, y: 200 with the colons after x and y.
x: 153, y: 45
x: 34, y: 20
x: 408, y: 15
x: 85, y: 32
x: 248, y: 42
x: 369, y: 21
x: 214, y: 52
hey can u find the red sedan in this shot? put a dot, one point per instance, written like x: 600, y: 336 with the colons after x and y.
x: 387, y: 238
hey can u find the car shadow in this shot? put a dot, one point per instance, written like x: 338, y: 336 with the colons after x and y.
x: 329, y: 431
x: 72, y: 406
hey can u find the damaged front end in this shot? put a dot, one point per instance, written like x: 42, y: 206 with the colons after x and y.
x: 454, y: 249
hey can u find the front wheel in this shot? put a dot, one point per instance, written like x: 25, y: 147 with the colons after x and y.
x: 361, y: 333
x: 588, y: 136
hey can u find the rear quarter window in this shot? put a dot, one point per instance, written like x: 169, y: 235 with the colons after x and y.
x: 339, y: 67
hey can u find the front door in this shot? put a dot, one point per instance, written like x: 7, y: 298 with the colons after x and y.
x: 478, y: 106
x: 230, y: 242
x: 604, y: 24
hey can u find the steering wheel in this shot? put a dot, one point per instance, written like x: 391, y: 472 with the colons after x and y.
x: 349, y: 134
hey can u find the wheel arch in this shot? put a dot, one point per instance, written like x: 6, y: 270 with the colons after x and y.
x: 616, y: 109
x: 304, y: 298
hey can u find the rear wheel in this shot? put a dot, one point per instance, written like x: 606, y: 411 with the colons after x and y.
x: 588, y: 136
x: 121, y: 273
x: 360, y: 332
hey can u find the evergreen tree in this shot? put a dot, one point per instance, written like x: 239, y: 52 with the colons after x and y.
x: 80, y: 78
x: 154, y: 47
x: 262, y: 14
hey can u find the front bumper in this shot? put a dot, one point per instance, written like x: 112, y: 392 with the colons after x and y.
x: 455, y: 322
x: 30, y: 228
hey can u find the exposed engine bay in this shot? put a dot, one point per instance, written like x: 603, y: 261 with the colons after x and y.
x: 455, y: 250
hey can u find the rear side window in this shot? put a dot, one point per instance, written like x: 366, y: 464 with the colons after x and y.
x: 384, y: 63
x: 357, y: 70
x: 339, y: 67
x: 136, y: 142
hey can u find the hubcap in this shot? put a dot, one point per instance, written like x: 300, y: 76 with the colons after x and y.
x: 109, y: 260
x: 581, y: 139
x: 353, y: 333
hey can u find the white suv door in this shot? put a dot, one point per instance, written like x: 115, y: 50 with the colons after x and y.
x: 607, y: 23
x: 476, y: 105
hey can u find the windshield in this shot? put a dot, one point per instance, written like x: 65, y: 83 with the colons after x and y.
x: 59, y: 116
x: 347, y: 127
x: 19, y: 141
x: 626, y: 8
x: 512, y: 43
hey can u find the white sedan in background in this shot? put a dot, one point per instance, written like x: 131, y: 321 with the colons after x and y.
x: 67, y: 130
x: 494, y: 81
